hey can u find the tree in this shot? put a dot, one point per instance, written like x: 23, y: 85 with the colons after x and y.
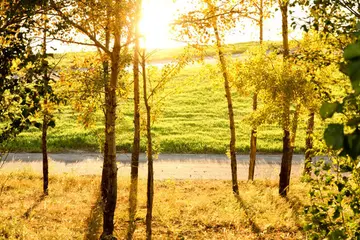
x: 136, y: 144
x: 208, y: 24
x: 104, y: 23
x: 20, y: 85
x: 258, y: 15
x: 286, y: 160
x: 154, y: 81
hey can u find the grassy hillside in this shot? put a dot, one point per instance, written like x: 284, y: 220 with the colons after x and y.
x: 159, y: 55
x: 193, y: 119
x: 73, y: 211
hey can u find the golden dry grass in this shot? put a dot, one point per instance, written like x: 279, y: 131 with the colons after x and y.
x: 184, y: 209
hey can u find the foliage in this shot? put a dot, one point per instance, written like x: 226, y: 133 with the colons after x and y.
x: 334, y: 212
x: 277, y: 82
x: 82, y: 82
x: 331, y: 17
x: 20, y: 68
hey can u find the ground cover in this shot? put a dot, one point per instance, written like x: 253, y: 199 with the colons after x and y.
x: 183, y: 209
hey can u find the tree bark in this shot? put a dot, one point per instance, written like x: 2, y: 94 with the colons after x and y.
x: 309, y: 143
x: 45, y: 112
x: 286, y: 160
x: 284, y: 5
x: 225, y: 73
x: 294, y: 125
x: 150, y: 180
x: 109, y: 173
x: 136, y: 143
x: 253, y: 145
x: 261, y: 21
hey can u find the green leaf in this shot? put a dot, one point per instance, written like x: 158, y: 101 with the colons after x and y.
x: 353, y: 144
x: 337, y: 234
x: 350, y: 68
x: 355, y: 81
x: 336, y: 214
x: 38, y: 125
x: 327, y: 110
x: 352, y: 51
x: 51, y: 123
x: 334, y: 136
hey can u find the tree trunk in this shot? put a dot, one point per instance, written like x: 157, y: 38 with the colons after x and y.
x: 253, y: 145
x: 309, y: 143
x: 109, y: 173
x: 224, y: 70
x: 45, y: 118
x: 261, y: 21
x: 286, y: 160
x: 295, y: 124
x: 284, y: 4
x: 150, y: 181
x: 44, y: 154
x: 136, y: 143
x: 253, y: 136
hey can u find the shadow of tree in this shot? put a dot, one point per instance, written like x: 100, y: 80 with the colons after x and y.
x: 254, y: 227
x: 296, y: 204
x: 94, y: 221
x: 37, y: 203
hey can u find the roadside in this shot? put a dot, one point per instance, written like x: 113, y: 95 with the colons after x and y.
x: 167, y: 166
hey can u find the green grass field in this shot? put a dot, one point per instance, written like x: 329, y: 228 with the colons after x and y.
x: 193, y: 119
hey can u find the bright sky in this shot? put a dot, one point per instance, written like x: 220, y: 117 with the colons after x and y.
x: 158, y: 15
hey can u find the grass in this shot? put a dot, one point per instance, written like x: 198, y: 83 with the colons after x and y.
x: 193, y: 119
x: 183, y: 209
x: 160, y: 55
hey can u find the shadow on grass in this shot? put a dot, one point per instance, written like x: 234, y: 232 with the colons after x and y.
x: 94, y: 221
x: 27, y: 214
x: 254, y: 227
x: 296, y: 204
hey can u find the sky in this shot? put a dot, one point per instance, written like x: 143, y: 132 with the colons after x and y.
x: 159, y: 14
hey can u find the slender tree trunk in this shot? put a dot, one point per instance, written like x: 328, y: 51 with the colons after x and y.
x: 150, y: 181
x: 294, y: 125
x: 284, y: 5
x: 253, y: 144
x: 109, y: 173
x: 136, y: 143
x: 225, y: 73
x: 261, y: 21
x: 309, y: 143
x: 45, y: 118
x: 285, y: 165
x: 253, y: 147
x: 286, y: 160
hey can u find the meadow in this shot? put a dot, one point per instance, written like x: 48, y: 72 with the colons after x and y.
x: 192, y: 118
x: 73, y: 211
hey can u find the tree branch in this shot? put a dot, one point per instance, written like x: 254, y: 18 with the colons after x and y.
x: 79, y: 27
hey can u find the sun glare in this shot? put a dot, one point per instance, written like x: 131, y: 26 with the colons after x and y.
x: 155, y: 24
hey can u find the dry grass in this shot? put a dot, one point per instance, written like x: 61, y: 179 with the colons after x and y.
x: 184, y: 209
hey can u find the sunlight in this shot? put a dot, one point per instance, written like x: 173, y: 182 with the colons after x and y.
x: 159, y: 14
x: 155, y: 24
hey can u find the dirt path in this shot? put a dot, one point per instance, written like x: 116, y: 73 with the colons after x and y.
x: 168, y: 166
